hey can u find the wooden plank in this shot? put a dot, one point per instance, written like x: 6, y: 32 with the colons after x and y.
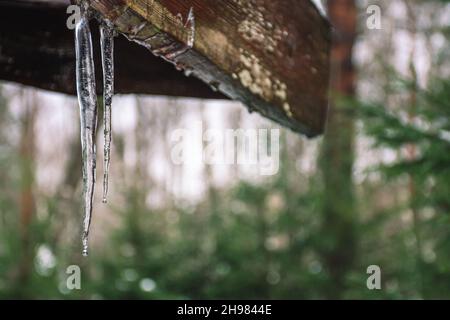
x: 271, y: 55
x: 36, y: 49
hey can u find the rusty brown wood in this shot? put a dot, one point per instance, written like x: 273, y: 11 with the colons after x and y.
x: 271, y: 55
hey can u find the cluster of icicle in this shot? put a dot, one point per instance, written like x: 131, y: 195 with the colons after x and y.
x: 87, y: 99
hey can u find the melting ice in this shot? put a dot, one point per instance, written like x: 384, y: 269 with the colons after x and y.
x: 87, y: 99
x: 107, y: 48
x: 190, y: 23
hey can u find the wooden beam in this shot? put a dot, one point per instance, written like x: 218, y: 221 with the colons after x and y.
x: 37, y: 49
x: 271, y: 55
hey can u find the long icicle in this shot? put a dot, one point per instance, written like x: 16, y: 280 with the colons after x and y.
x: 107, y: 48
x: 87, y: 99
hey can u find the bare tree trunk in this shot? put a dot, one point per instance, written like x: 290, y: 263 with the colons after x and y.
x: 339, y: 240
x: 412, y: 148
x: 26, y: 197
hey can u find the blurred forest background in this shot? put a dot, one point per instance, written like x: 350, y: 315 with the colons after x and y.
x: 375, y: 190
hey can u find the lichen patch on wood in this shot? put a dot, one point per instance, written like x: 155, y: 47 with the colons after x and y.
x: 260, y: 81
x: 255, y: 28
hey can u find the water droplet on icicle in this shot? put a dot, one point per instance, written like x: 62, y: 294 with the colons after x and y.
x: 188, y: 71
x: 214, y: 85
x: 107, y: 48
x: 87, y: 99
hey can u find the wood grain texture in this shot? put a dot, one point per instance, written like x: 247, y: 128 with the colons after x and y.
x: 271, y: 55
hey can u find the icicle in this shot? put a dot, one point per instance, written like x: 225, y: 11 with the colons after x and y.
x: 190, y: 22
x: 173, y: 50
x: 107, y: 47
x: 87, y: 100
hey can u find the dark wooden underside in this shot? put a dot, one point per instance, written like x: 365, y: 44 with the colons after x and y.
x: 36, y: 49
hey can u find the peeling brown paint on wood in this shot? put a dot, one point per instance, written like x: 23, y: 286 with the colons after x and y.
x: 271, y: 55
